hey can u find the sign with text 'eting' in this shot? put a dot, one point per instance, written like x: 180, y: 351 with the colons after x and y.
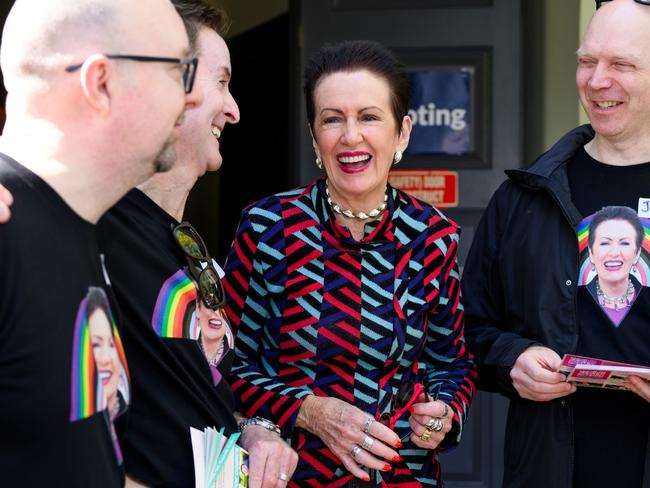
x: 441, y: 110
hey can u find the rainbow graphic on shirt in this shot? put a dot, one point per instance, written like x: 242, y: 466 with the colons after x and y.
x: 173, y: 316
x: 87, y: 396
x: 641, y: 270
x: 83, y: 400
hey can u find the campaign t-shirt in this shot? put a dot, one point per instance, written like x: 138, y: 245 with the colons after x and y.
x: 63, y: 375
x: 611, y: 427
x: 173, y: 385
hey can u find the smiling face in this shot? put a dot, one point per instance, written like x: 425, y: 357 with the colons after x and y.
x: 213, y: 325
x: 613, y: 74
x: 210, y: 106
x: 613, y: 252
x: 107, y: 360
x: 356, y: 136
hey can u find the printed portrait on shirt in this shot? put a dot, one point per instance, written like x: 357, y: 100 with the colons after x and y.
x: 181, y: 314
x: 614, y: 257
x: 100, y: 376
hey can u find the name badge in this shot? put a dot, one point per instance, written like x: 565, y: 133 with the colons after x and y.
x: 644, y: 207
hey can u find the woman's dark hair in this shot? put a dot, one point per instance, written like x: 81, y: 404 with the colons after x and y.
x: 96, y: 299
x: 354, y: 56
x: 616, y: 213
x: 199, y: 13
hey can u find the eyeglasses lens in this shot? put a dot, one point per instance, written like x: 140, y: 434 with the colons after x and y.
x: 191, y: 242
x: 188, y: 75
x: 404, y: 394
x: 385, y: 419
x: 211, y: 288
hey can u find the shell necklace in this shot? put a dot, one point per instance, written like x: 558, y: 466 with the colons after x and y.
x: 359, y: 215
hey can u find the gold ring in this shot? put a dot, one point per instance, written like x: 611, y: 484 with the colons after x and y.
x: 283, y: 477
x: 437, y: 424
x: 431, y: 424
x: 426, y: 435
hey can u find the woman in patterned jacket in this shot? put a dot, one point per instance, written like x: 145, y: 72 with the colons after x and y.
x: 345, y: 294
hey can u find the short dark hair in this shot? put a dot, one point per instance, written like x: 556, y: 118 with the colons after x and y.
x: 616, y: 213
x: 354, y: 56
x: 96, y: 299
x: 199, y: 13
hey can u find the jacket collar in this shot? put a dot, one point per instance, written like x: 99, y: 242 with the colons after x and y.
x: 548, y: 163
x: 548, y: 172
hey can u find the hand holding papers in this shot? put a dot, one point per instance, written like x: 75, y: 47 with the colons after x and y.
x: 218, y: 461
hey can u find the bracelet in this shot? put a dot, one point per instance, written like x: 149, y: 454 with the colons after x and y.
x: 267, y: 424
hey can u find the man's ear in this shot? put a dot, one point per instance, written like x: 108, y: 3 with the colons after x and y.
x: 95, y: 75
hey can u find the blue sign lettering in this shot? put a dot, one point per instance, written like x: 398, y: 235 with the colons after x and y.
x: 441, y: 107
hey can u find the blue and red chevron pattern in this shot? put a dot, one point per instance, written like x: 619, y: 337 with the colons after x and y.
x: 317, y: 312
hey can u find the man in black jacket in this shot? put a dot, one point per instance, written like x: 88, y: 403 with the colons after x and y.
x: 524, y: 308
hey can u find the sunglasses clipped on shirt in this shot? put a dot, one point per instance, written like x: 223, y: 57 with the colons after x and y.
x: 189, y: 65
x: 209, y: 285
x: 599, y: 3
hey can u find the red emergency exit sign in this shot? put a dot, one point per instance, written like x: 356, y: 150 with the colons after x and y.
x: 434, y: 186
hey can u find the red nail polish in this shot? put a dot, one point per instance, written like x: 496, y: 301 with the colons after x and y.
x: 387, y: 467
x: 397, y: 459
x: 411, y: 408
x: 366, y: 479
x: 398, y: 444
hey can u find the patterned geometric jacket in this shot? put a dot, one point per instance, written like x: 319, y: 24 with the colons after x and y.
x: 317, y: 312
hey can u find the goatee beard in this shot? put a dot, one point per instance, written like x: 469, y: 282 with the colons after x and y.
x: 166, y: 157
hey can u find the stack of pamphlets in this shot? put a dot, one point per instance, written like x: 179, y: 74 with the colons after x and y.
x: 218, y: 461
x: 600, y: 373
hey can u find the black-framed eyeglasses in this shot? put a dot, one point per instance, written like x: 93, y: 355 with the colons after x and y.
x: 599, y: 3
x: 209, y: 285
x: 400, y: 402
x: 189, y: 65
x: 407, y: 393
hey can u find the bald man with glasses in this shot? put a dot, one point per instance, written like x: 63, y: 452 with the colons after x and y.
x: 86, y: 122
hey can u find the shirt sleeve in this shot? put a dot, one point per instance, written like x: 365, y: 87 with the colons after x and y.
x: 494, y: 345
x: 450, y: 368
x: 250, y: 309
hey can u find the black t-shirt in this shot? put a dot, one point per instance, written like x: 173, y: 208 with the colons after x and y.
x: 173, y: 386
x: 62, y: 371
x: 611, y: 427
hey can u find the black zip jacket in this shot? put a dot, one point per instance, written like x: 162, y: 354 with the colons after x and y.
x: 519, y: 289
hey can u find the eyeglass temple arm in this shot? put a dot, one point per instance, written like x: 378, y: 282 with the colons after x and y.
x: 417, y: 390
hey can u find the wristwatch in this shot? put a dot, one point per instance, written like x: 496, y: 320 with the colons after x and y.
x: 267, y: 424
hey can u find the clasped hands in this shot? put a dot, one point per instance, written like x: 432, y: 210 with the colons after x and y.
x: 359, y: 440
